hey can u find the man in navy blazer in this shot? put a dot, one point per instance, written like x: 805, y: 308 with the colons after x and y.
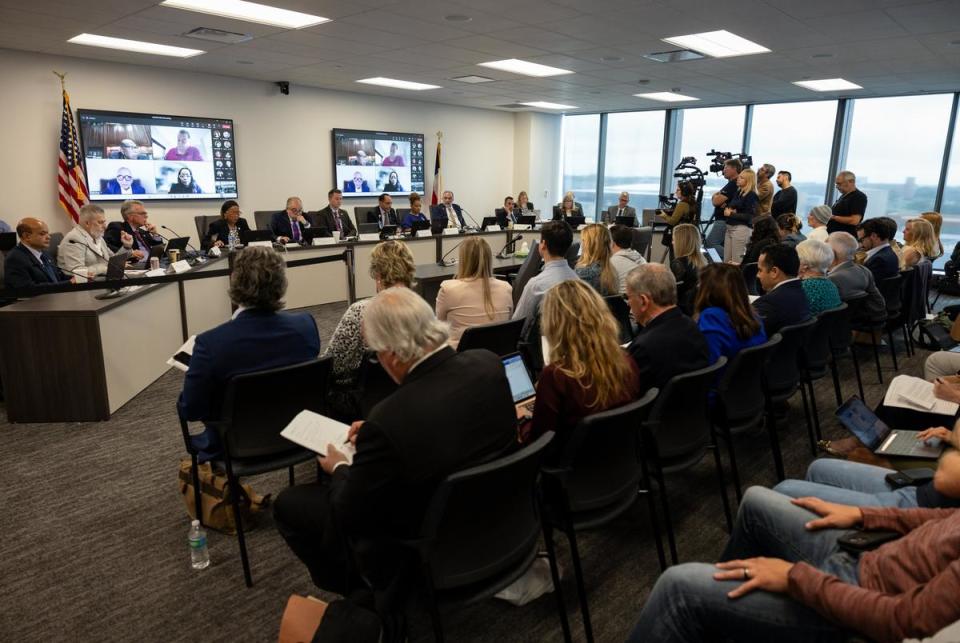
x: 27, y: 264
x: 289, y: 224
x: 440, y: 213
x: 874, y: 236
x: 258, y: 337
x: 785, y: 303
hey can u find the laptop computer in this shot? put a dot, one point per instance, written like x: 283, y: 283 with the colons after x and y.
x: 877, y: 436
x: 522, y: 389
x: 248, y: 236
x: 178, y: 243
x: 630, y: 222
x: 309, y: 234
x: 489, y: 222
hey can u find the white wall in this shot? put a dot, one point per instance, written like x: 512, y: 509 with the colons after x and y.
x: 536, y: 165
x: 283, y: 142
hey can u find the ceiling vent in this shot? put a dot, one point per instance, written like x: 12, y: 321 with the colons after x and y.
x: 675, y: 56
x: 217, y: 35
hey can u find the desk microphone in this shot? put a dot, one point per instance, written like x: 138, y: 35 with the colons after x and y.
x: 508, y: 244
x: 476, y: 226
x: 443, y: 259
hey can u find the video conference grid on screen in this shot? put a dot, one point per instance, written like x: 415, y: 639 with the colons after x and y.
x: 154, y: 156
x: 368, y: 162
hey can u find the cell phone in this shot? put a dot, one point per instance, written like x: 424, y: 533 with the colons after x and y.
x: 909, y: 477
x: 856, y: 542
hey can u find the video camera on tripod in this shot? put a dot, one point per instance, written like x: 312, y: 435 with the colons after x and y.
x: 716, y: 163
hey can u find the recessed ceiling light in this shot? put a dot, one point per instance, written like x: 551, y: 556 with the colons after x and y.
x: 249, y: 11
x: 457, y: 17
x: 397, y: 84
x: 138, y: 46
x: 525, y: 68
x: 542, y: 104
x: 611, y: 59
x: 719, y: 44
x: 827, y: 84
x: 666, y: 97
x: 472, y: 79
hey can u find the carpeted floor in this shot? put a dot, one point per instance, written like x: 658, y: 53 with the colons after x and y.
x: 94, y: 534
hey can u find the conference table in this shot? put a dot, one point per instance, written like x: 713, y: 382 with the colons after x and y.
x: 70, y: 357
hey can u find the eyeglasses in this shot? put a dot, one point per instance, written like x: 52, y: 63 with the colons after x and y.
x: 296, y: 210
x: 124, y: 177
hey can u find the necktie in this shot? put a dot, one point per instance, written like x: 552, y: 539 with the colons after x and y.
x: 451, y: 218
x: 383, y: 219
x: 140, y: 242
x: 336, y: 220
x: 620, y: 212
x: 48, y: 268
x: 295, y: 227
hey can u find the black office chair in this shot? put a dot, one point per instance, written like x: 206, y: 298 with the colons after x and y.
x: 749, y: 272
x: 250, y: 428
x: 841, y: 342
x: 861, y: 322
x: 642, y: 241
x: 54, y: 248
x: 741, y: 400
x: 892, y: 291
x: 530, y: 268
x: 677, y: 434
x: 262, y: 219
x: 816, y: 360
x: 481, y: 532
x: 621, y: 312
x: 203, y: 221
x: 373, y: 384
x: 500, y: 337
x: 573, y: 254
x: 593, y: 476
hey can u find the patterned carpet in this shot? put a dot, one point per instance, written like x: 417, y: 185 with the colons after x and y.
x: 95, y: 549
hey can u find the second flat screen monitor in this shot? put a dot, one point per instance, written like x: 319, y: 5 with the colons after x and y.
x: 368, y: 163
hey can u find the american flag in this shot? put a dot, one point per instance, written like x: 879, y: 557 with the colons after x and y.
x: 70, y: 179
x: 437, y: 181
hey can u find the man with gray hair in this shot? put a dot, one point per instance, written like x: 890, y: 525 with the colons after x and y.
x: 135, y: 224
x: 849, y: 210
x: 621, y: 209
x: 765, y: 188
x: 851, y: 278
x: 289, y: 224
x: 83, y: 249
x: 670, y: 342
x: 452, y: 411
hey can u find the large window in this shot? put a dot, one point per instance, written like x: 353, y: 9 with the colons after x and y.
x: 581, y: 151
x: 796, y: 137
x: 633, y: 157
x: 950, y: 208
x: 710, y: 128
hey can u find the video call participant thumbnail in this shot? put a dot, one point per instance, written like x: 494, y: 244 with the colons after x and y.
x: 183, y: 151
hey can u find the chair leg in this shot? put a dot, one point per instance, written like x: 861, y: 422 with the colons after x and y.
x: 555, y: 576
x: 806, y: 417
x: 906, y: 340
x: 197, y: 499
x: 734, y: 472
x: 876, y: 355
x: 856, y: 368
x: 671, y: 539
x: 290, y: 471
x: 815, y: 412
x: 836, y: 378
x: 722, y: 483
x: 235, y: 493
x: 578, y: 572
x: 775, y: 444
x: 893, y: 349
x: 434, y: 608
x: 652, y: 508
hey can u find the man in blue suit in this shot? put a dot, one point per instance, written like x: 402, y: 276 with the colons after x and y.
x: 289, y: 224
x: 785, y: 303
x: 874, y: 237
x: 27, y: 264
x: 258, y: 337
x: 447, y: 214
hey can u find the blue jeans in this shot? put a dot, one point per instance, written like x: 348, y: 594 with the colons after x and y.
x: 849, y: 483
x: 718, y: 229
x: 687, y: 604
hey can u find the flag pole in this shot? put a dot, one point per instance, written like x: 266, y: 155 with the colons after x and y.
x: 62, y: 77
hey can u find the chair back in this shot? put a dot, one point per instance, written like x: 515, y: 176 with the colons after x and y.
x: 498, y: 337
x: 841, y: 338
x: 55, y: 239
x: 642, y: 240
x: 257, y: 406
x: 892, y: 291
x: 816, y: 350
x: 783, y: 368
x: 621, y: 312
x: 915, y: 293
x: 749, y: 272
x: 262, y: 218
x: 483, y: 521
x: 528, y: 269
x: 203, y: 222
x: 599, y: 461
x: 679, y: 421
x: 573, y: 254
x: 740, y: 391
x: 373, y: 382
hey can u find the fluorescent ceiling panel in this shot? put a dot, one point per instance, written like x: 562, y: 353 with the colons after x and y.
x: 542, y: 104
x: 719, y: 44
x: 138, y: 46
x: 397, y: 84
x: 827, y: 84
x: 525, y: 68
x: 249, y: 11
x: 666, y: 97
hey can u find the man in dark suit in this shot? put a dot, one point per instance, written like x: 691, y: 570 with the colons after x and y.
x: 27, y: 264
x: 447, y: 214
x: 289, y: 224
x: 874, y: 237
x: 135, y: 224
x: 852, y: 279
x: 508, y: 213
x: 257, y: 338
x: 451, y: 411
x: 670, y: 342
x: 333, y: 218
x: 785, y: 303
x: 383, y: 214
x: 621, y: 209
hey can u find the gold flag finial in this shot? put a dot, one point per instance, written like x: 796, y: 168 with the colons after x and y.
x: 439, y: 135
x: 63, y: 84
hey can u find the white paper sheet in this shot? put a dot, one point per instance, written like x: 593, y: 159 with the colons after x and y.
x: 186, y: 348
x: 315, y: 432
x: 913, y: 393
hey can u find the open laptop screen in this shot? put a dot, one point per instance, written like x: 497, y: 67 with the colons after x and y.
x: 862, y: 422
x: 520, y: 385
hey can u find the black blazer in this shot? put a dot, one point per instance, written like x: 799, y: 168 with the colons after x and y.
x: 407, y: 446
x: 884, y: 264
x: 785, y: 305
x: 373, y: 216
x: 503, y: 217
x: 671, y: 344
x: 438, y: 214
x: 280, y: 225
x: 22, y: 270
x: 220, y: 231
x: 324, y: 219
x: 112, y: 236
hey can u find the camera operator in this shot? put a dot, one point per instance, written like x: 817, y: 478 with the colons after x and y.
x: 685, y: 211
x: 784, y: 201
x: 717, y: 236
x: 740, y: 213
x: 765, y: 188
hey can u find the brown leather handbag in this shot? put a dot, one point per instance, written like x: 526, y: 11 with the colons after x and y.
x: 216, y: 501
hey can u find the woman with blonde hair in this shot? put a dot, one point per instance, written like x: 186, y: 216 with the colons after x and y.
x: 567, y: 208
x: 474, y: 297
x: 523, y: 202
x: 687, y: 263
x: 920, y: 242
x: 739, y: 215
x: 936, y: 220
x: 588, y: 371
x: 594, y: 266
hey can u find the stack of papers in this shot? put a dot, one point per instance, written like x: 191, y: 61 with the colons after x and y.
x: 914, y: 393
x: 316, y: 432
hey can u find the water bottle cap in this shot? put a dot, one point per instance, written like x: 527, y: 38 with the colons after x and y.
x: 195, y: 523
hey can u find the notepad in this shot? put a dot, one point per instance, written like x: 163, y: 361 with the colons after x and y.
x: 316, y: 432
x: 914, y: 393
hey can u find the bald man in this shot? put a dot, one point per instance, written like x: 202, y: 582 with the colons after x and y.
x: 28, y: 264
x: 289, y: 224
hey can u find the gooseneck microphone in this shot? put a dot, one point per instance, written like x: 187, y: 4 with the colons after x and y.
x: 509, y: 244
x: 476, y: 226
x: 196, y: 252
x: 443, y: 259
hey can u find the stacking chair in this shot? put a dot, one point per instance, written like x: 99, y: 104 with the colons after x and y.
x: 250, y: 429
x: 749, y: 272
x: 499, y: 337
x: 621, y: 312
x: 677, y: 434
x: 841, y: 341
x: 642, y: 241
x: 481, y: 532
x: 815, y: 360
x: 594, y: 477
x: 741, y: 400
x: 890, y: 289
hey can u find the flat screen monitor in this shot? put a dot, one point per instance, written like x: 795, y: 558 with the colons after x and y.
x: 367, y: 163
x: 156, y: 156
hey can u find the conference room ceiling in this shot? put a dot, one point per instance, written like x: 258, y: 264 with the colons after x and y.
x: 887, y: 46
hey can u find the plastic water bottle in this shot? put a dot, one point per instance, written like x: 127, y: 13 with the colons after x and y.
x: 199, y: 556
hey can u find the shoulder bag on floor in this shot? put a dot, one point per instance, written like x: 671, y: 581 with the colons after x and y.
x: 216, y: 500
